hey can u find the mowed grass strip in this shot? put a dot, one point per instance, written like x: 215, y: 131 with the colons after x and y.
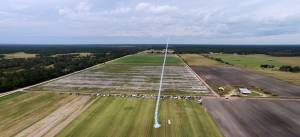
x: 117, y: 117
x: 147, y: 59
x: 20, y: 110
x: 248, y: 61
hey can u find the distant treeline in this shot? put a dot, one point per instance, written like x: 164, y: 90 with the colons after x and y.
x: 48, y: 50
x: 274, y: 50
x: 284, y: 50
x: 17, y: 73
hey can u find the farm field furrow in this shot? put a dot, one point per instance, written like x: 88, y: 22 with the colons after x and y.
x: 138, y: 73
x: 254, y: 117
x: 109, y: 116
x: 20, y: 110
x: 57, y: 119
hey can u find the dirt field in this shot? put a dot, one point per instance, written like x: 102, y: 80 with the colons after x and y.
x: 220, y: 76
x: 118, y: 117
x: 255, y: 118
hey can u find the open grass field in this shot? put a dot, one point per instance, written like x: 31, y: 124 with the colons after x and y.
x: 253, y: 63
x: 118, y: 117
x: 19, y: 55
x: 148, y: 59
x: 255, y: 117
x: 20, y: 110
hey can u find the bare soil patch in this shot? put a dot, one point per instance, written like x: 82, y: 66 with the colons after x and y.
x: 254, y: 117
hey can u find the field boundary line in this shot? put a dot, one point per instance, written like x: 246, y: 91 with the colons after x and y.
x: 199, y: 78
x: 60, y: 77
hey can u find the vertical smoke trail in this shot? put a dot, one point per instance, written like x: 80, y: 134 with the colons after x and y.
x: 156, y: 124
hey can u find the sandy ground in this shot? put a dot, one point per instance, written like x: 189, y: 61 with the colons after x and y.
x: 239, y: 77
x: 255, y: 117
x: 57, y: 120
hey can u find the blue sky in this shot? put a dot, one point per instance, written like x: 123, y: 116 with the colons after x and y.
x: 151, y: 21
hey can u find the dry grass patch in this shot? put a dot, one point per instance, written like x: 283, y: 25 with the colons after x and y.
x: 19, y: 55
x: 199, y: 60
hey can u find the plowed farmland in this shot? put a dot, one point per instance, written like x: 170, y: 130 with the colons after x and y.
x: 255, y: 118
x: 220, y: 76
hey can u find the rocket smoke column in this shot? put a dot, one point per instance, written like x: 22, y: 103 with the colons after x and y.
x: 156, y: 124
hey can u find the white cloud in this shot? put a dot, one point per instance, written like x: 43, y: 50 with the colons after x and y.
x: 79, y: 10
x: 120, y: 10
x: 148, y: 7
x: 196, y: 18
x: 83, y: 7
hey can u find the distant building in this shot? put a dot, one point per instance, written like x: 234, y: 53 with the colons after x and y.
x: 244, y: 91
